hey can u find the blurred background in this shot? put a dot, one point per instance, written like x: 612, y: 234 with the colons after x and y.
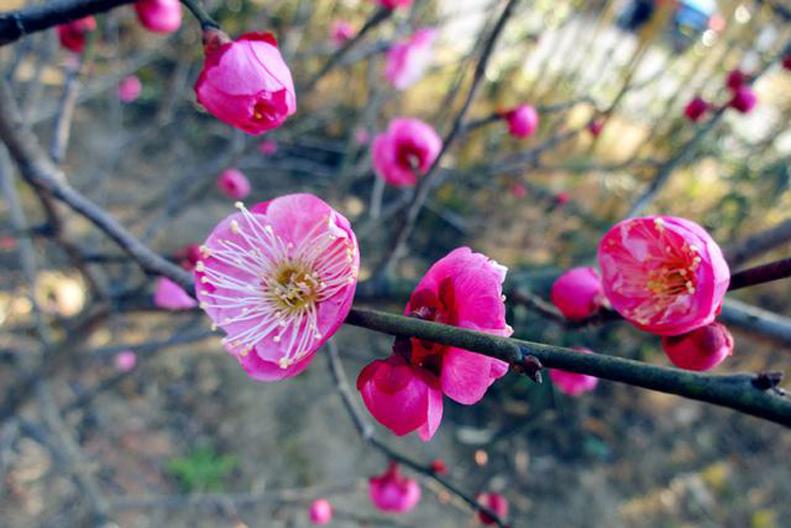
x: 186, y: 439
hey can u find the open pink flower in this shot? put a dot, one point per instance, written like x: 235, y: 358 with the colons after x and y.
x: 279, y: 280
x: 735, y: 79
x: 233, y: 184
x: 125, y: 361
x: 320, y: 512
x: 73, y: 35
x: 578, y: 293
x: 393, y: 492
x: 267, y: 147
x: 701, y: 349
x: 246, y: 82
x: 171, y: 296
x: 402, y: 397
x: 664, y: 274
x: 394, y: 4
x: 129, y: 88
x: 572, y: 383
x: 403, y: 392
x: 696, y: 109
x: 494, y: 502
x: 405, y: 151
x: 408, y: 60
x: 743, y: 100
x: 340, y: 32
x: 159, y: 16
x: 522, y: 121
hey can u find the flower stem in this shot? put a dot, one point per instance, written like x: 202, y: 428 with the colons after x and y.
x: 206, y: 21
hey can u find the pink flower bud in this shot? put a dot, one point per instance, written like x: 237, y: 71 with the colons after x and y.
x: 171, y: 296
x: 279, y: 279
x: 393, y: 492
x: 572, y: 383
x: 405, y: 151
x: 518, y: 190
x: 129, y: 89
x: 663, y: 274
x: 562, y: 198
x: 394, y: 4
x: 408, y: 60
x: 743, y: 100
x: 522, y: 121
x: 234, y: 184
x: 735, y: 79
x: 578, y: 293
x: 159, y: 16
x: 125, y: 361
x: 787, y: 61
x: 189, y: 256
x: 320, y: 512
x: 438, y: 466
x: 595, y: 127
x: 701, y: 349
x: 340, y: 32
x: 494, y: 502
x: 696, y: 109
x: 73, y: 35
x: 267, y: 147
x: 246, y: 83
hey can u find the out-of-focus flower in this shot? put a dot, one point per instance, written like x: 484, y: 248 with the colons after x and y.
x: 159, y: 16
x: 405, y: 151
x: 438, y: 466
x: 595, y: 127
x: 340, y: 32
x: 320, y: 512
x: 743, y: 100
x: 664, y: 274
x: 578, y: 293
x: 234, y: 184
x: 701, y: 349
x: 392, y: 492
x: 245, y: 82
x: 735, y: 79
x: 696, y: 109
x: 189, y: 256
x: 129, y: 88
x: 518, y: 190
x: 267, y: 147
x: 572, y: 383
x: 394, y: 4
x: 279, y: 280
x: 787, y: 61
x: 408, y: 60
x: 171, y: 296
x: 494, y: 502
x: 361, y: 136
x: 125, y: 361
x: 522, y: 121
x: 562, y: 198
x: 74, y: 34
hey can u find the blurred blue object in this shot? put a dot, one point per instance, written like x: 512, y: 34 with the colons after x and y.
x: 690, y: 19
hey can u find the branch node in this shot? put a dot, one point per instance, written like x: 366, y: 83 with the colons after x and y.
x: 531, y: 367
x: 767, y: 380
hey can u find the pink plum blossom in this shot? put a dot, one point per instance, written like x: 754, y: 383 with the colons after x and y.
x: 518, y: 190
x: 408, y: 60
x: 171, y: 296
x: 246, y: 83
x: 743, y: 100
x: 125, y: 361
x: 189, y: 256
x: 562, y: 198
x: 267, y: 147
x: 696, y: 109
x: 496, y: 503
x: 404, y: 392
x: 701, y: 349
x: 159, y: 16
x: 578, y: 293
x: 340, y: 32
x: 735, y: 79
x: 73, y: 35
x: 320, y: 512
x: 279, y: 279
x: 595, y: 127
x: 572, y: 383
x: 129, y: 88
x: 394, y: 4
x: 405, y: 151
x: 664, y: 274
x: 392, y: 492
x: 234, y: 184
x: 522, y: 121
x: 361, y: 136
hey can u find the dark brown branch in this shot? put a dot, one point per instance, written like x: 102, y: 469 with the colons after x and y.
x: 757, y: 244
x: 16, y: 24
x: 779, y: 269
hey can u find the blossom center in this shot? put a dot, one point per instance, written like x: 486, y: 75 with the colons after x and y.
x: 264, y: 111
x: 293, y: 287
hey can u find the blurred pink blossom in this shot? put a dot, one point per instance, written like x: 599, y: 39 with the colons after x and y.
x: 171, y: 296
x: 405, y: 151
x: 743, y: 100
x: 267, y: 147
x: 578, y: 293
x: 735, y: 79
x: 408, y: 60
x: 494, y: 502
x: 394, y: 4
x: 573, y: 383
x: 518, y: 190
x: 159, y: 16
x: 393, y: 492
x: 320, y: 512
x: 340, y: 32
x: 129, y: 89
x: 73, y: 35
x: 522, y: 121
x: 696, y: 109
x: 701, y: 349
x: 234, y: 184
x: 125, y: 361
